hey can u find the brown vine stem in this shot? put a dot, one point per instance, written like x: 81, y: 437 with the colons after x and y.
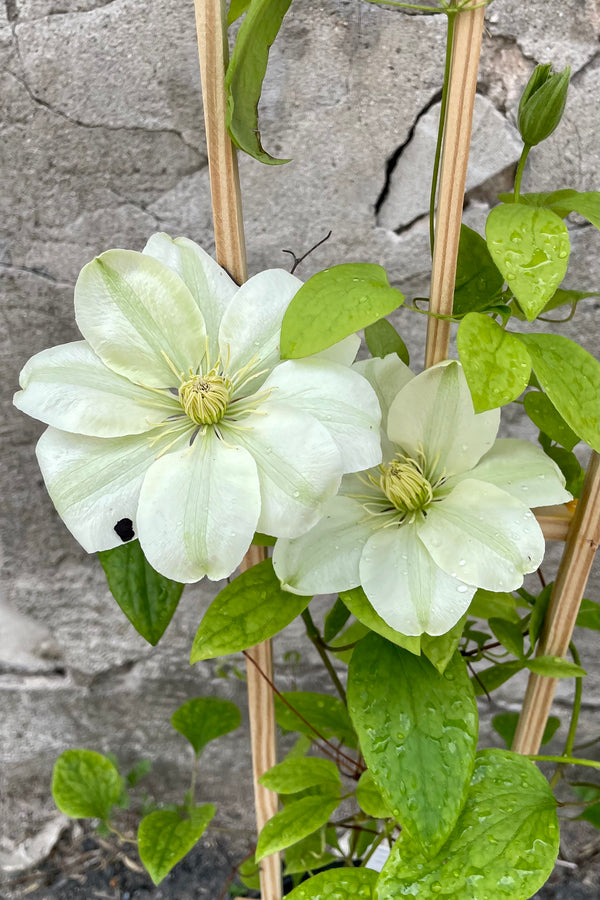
x: 231, y: 254
x: 573, y: 572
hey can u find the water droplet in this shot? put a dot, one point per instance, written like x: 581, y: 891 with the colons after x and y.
x: 296, y: 494
x: 462, y: 562
x: 462, y: 589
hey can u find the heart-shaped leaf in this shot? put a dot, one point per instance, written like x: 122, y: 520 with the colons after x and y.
x: 203, y: 719
x: 503, y: 845
x: 531, y: 248
x: 333, y: 304
x: 85, y: 784
x: 417, y: 731
x: 338, y: 884
x: 496, y: 364
x: 164, y: 837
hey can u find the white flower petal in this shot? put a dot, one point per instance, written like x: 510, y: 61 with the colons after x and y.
x: 484, y: 536
x: 343, y: 401
x: 251, y: 326
x: 522, y: 470
x: 406, y: 587
x: 298, y: 464
x: 434, y: 412
x: 95, y: 482
x: 198, y: 510
x: 136, y: 314
x: 387, y: 377
x: 209, y: 284
x: 69, y: 388
x: 326, y: 558
x: 344, y: 352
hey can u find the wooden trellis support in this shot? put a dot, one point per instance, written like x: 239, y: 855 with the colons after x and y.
x: 231, y: 254
x: 580, y: 531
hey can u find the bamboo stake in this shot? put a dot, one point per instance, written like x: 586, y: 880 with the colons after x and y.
x: 573, y: 572
x: 231, y: 254
x: 466, y: 48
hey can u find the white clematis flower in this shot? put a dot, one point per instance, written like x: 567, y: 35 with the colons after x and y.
x: 177, y: 413
x: 446, y: 512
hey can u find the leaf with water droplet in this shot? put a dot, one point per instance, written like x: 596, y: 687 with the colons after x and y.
x: 297, y: 820
x: 478, y: 281
x: 544, y: 415
x: 251, y: 609
x: 337, y: 884
x: 584, y: 203
x: 427, y: 753
x: 570, y: 376
x: 333, y: 304
x: 495, y: 363
x: 470, y: 865
x: 530, y: 246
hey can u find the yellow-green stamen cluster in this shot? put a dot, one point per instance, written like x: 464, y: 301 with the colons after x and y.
x: 405, y: 485
x: 205, y: 398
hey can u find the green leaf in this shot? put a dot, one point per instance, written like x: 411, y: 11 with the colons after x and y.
x: 503, y: 845
x: 246, y: 72
x: 147, y: 598
x: 263, y: 540
x: 568, y: 464
x: 249, y: 872
x: 296, y: 821
x: 496, y: 604
x: 509, y: 634
x: 85, y: 784
x: 308, y: 854
x: 237, y: 8
x: 589, y: 615
x: 585, y: 203
x: 495, y: 363
x: 538, y: 613
x: 335, y: 620
x: 382, y: 339
x: 164, y: 837
x: 487, y: 680
x: 531, y: 248
x: 337, y: 884
x: 369, y: 797
x: 555, y: 667
x: 558, y: 299
x: 570, y: 376
x: 506, y: 725
x: 293, y: 775
x: 249, y: 610
x: 358, y: 603
x: 439, y: 650
x: 543, y: 414
x: 326, y: 714
x: 417, y: 731
x: 203, y: 719
x: 477, y: 277
x: 139, y: 771
x: 591, y: 794
x: 333, y: 304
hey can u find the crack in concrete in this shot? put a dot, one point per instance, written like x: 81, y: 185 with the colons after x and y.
x: 88, y: 125
x: 393, y: 159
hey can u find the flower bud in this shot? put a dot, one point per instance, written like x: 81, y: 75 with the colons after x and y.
x: 542, y: 103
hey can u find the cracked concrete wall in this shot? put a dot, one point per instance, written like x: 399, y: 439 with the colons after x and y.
x: 102, y: 145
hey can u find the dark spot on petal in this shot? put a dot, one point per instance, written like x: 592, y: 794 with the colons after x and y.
x: 124, y: 529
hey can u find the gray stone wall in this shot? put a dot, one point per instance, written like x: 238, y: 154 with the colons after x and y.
x: 102, y: 145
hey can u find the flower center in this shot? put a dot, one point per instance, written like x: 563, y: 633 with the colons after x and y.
x: 205, y: 397
x: 405, y: 485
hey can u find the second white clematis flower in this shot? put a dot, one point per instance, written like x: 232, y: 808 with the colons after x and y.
x: 176, y: 420
x: 448, y: 510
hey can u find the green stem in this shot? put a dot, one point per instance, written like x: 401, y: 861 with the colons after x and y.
x: 194, y: 779
x: 570, y: 742
x: 380, y: 837
x: 315, y: 637
x: 121, y: 836
x: 520, y: 168
x: 565, y: 760
x: 440, y: 137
